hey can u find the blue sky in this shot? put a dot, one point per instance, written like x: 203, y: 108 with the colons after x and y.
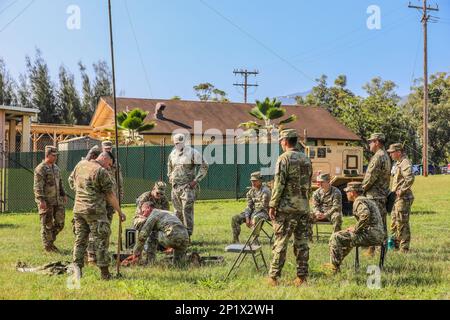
x: 185, y: 42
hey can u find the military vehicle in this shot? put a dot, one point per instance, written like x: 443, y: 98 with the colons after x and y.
x: 343, y: 163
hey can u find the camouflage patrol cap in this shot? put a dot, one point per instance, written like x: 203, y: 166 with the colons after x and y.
x: 160, y: 186
x: 179, y: 138
x: 107, y: 144
x: 93, y: 153
x: 395, y: 147
x: 377, y: 136
x: 256, y: 176
x: 354, y: 186
x: 324, y: 177
x: 287, y: 133
x: 51, y: 150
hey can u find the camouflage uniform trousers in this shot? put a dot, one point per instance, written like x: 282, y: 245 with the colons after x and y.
x: 91, y: 248
x: 138, y: 223
x: 400, y: 222
x: 239, y: 219
x: 284, y: 226
x: 183, y: 198
x: 381, y: 204
x: 178, y: 241
x: 52, y: 223
x: 100, y: 228
x: 342, y: 242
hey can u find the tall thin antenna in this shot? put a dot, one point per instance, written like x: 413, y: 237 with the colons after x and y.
x: 119, y: 240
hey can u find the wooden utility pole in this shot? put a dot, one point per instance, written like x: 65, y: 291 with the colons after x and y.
x: 425, y: 17
x: 119, y: 240
x: 245, y: 73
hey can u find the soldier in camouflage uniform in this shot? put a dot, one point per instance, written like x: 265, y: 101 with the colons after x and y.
x: 50, y: 197
x: 258, y: 198
x: 156, y: 198
x: 327, y: 203
x: 289, y: 208
x: 369, y: 230
x: 376, y: 180
x: 401, y: 185
x: 186, y: 168
x: 93, y: 189
x: 106, y: 147
x: 162, y: 228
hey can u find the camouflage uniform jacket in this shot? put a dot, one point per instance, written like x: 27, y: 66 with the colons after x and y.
x: 403, y: 178
x: 161, y: 203
x: 112, y: 171
x: 71, y: 178
x: 182, y: 166
x: 377, y: 177
x: 257, y: 201
x: 48, y: 184
x: 91, y: 182
x: 368, y: 216
x: 292, y: 183
x: 329, y: 202
x: 165, y: 222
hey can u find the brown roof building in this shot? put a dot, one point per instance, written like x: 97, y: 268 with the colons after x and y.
x: 321, y: 127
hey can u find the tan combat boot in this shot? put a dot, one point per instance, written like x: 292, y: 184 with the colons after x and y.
x: 273, y: 282
x: 331, y: 267
x: 299, y: 281
x: 105, y: 273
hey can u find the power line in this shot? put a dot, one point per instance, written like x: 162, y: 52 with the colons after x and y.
x: 340, y: 37
x: 17, y: 16
x: 262, y: 44
x: 245, y: 73
x: 8, y: 6
x: 353, y: 43
x: 147, y: 79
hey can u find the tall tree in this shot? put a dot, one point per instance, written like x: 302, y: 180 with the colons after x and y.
x: 23, y: 91
x: 68, y: 98
x: 7, y: 86
x: 204, y: 91
x: 102, y: 85
x: 42, y: 89
x: 87, y: 105
x: 439, y: 115
x: 378, y: 112
x: 328, y: 97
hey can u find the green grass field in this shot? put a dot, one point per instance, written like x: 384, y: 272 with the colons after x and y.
x: 422, y: 274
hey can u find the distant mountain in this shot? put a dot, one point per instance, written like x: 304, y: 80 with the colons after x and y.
x: 290, y: 98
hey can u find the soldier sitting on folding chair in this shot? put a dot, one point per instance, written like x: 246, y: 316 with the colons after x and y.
x: 258, y: 198
x: 369, y: 230
x: 327, y: 203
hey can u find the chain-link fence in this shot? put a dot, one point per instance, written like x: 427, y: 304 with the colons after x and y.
x: 141, y: 167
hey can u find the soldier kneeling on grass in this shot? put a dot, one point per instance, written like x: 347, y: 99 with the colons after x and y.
x: 369, y: 230
x: 161, y: 228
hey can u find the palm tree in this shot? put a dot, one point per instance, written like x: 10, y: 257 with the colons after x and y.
x: 267, y: 111
x: 134, y: 123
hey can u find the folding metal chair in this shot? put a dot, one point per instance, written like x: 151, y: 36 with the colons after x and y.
x: 322, y: 233
x: 251, y: 247
x: 383, y: 250
x: 268, y: 234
